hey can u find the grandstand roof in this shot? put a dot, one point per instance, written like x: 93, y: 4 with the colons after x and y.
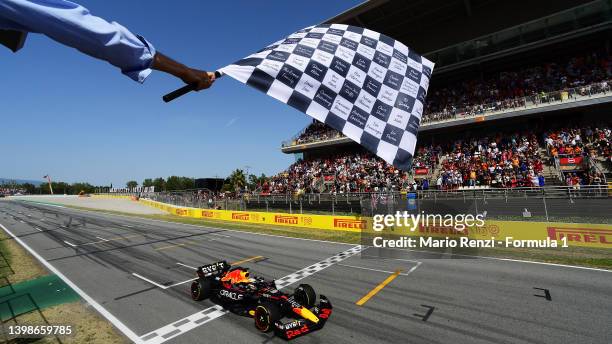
x: 429, y: 25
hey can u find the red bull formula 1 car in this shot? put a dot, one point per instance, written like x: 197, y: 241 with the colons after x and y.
x: 288, y: 315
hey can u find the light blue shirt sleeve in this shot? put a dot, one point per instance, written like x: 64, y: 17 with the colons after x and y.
x: 72, y: 25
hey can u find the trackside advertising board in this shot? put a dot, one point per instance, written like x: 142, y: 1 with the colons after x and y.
x: 585, y: 235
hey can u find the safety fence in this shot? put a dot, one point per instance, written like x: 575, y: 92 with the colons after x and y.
x: 582, y: 234
x: 569, y: 204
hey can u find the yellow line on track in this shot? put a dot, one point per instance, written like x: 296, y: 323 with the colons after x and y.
x: 247, y: 260
x: 378, y: 288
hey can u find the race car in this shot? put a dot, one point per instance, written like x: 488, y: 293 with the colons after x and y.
x: 288, y: 315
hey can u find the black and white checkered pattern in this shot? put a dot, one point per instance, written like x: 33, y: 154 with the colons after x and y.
x: 314, y: 268
x: 367, y: 85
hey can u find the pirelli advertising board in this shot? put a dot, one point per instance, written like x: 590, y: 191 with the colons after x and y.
x: 586, y: 235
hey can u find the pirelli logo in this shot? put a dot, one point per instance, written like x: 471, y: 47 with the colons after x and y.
x: 353, y: 224
x: 289, y: 220
x: 207, y: 213
x: 585, y: 235
x: 241, y: 216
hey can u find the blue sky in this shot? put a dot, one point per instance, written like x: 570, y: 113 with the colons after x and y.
x: 80, y: 119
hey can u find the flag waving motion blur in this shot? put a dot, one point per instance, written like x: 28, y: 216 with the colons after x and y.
x: 367, y: 85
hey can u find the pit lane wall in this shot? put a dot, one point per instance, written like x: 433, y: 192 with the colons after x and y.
x: 577, y: 234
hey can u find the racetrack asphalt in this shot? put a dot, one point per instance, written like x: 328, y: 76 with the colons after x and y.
x: 137, y: 272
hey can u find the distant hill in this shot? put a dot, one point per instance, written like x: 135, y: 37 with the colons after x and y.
x: 20, y: 181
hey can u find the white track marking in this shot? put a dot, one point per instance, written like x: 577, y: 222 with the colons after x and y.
x: 504, y: 259
x: 335, y: 242
x: 111, y: 318
x: 150, y: 281
x: 167, y: 286
x: 192, y: 321
x: 179, y: 283
x: 401, y: 259
x: 187, y: 266
x: 221, y: 235
x: 38, y: 229
x: 183, y: 325
x: 102, y: 239
x: 383, y: 271
x: 414, y: 268
x: 102, y: 214
x: 98, y: 213
x: 69, y: 243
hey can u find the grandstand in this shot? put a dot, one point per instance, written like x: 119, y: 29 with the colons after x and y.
x: 515, y: 101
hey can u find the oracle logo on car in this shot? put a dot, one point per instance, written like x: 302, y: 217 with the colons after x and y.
x: 353, y: 224
x: 292, y: 220
x: 207, y: 213
x: 231, y: 295
x: 241, y: 216
x: 585, y: 235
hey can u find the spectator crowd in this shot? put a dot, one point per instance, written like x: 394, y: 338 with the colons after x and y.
x: 580, y: 142
x: 499, y: 161
x: 494, y: 161
x: 583, y: 74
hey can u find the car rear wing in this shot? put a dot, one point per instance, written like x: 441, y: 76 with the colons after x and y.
x: 213, y: 269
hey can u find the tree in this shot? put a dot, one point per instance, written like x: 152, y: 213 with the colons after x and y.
x: 159, y: 184
x: 187, y: 183
x: 147, y: 182
x: 173, y: 183
x: 131, y: 184
x: 85, y: 187
x: 237, y: 179
x: 255, y: 182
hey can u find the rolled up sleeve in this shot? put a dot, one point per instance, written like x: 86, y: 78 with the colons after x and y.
x: 72, y: 25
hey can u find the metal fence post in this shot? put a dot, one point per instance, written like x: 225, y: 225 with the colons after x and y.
x: 545, y: 206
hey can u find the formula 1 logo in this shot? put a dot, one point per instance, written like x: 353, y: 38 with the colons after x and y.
x: 231, y: 295
x: 585, y: 235
x: 182, y: 212
x: 290, y: 220
x: 241, y: 216
x: 351, y: 224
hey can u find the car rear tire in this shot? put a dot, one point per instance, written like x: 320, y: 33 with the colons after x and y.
x: 201, y: 289
x: 305, y: 295
x: 266, y: 314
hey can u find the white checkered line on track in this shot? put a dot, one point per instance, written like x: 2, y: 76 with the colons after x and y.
x: 192, y: 321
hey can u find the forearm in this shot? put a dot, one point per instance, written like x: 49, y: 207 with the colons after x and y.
x: 200, y: 79
x: 165, y: 64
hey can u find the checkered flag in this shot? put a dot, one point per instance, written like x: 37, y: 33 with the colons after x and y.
x: 362, y: 83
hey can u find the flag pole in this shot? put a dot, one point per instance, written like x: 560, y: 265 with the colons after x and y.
x: 49, y: 181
